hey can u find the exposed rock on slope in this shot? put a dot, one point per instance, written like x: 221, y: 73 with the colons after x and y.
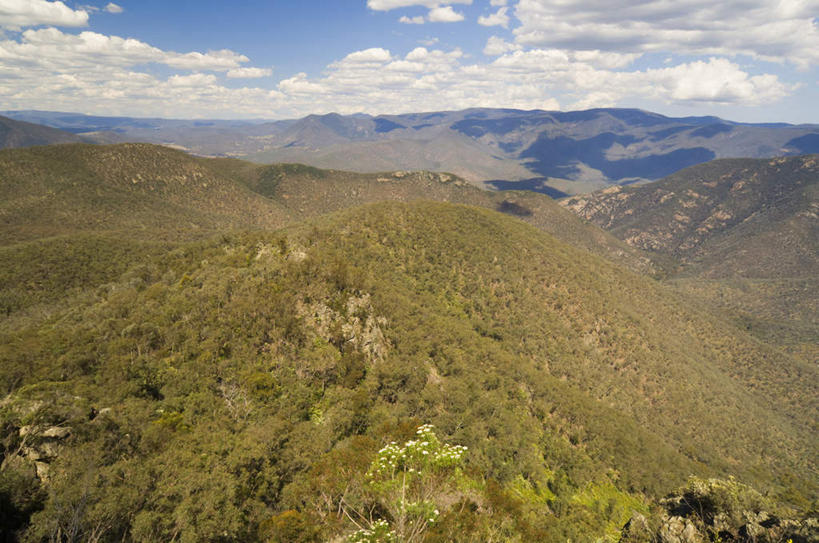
x: 746, y: 218
x: 725, y: 511
x: 744, y: 234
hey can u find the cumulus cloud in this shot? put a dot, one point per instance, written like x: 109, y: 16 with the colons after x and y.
x: 499, y: 18
x: 428, y: 79
x: 715, y: 81
x: 113, y: 8
x: 299, y: 85
x: 17, y: 14
x: 387, y: 5
x: 497, y: 46
x: 605, y: 59
x: 783, y: 31
x: 249, y: 73
x: 375, y: 55
x: 444, y: 14
x: 48, y: 69
x: 115, y: 90
x: 192, y: 80
x: 418, y: 20
x: 224, y: 59
x: 52, y: 48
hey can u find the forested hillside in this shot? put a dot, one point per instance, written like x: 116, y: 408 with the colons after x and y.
x: 196, y: 349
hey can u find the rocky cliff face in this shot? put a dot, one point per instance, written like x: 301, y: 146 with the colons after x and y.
x: 718, y: 212
x: 714, y: 510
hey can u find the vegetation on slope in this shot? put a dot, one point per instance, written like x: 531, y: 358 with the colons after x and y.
x: 745, y: 234
x: 726, y: 218
x: 22, y: 134
x: 137, y: 191
x: 148, y: 192
x: 238, y: 388
x: 308, y: 192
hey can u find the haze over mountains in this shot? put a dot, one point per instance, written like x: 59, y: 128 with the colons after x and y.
x: 553, y: 152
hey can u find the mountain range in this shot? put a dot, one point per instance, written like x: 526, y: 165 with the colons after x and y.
x: 210, y: 349
x: 558, y: 153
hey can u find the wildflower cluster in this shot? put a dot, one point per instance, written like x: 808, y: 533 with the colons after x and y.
x: 416, y: 455
x: 379, y: 532
x: 410, y: 480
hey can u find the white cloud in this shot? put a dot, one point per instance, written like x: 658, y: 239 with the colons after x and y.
x: 418, y: 20
x: 113, y: 8
x: 192, y: 80
x: 497, y: 46
x: 387, y: 5
x: 499, y: 18
x: 16, y: 14
x: 605, y: 59
x: 49, y: 47
x: 368, y: 56
x: 444, y: 14
x: 249, y: 73
x: 427, y: 79
x: 497, y: 3
x: 715, y: 81
x: 94, y: 73
x: 781, y: 31
x: 300, y: 85
x: 223, y: 59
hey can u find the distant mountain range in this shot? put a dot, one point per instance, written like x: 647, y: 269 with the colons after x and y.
x: 558, y: 153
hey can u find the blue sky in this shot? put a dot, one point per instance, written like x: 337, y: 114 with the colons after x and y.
x: 745, y: 60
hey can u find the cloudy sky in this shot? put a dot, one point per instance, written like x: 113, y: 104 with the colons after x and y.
x: 745, y: 60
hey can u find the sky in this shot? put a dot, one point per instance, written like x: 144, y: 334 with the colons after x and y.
x: 743, y: 60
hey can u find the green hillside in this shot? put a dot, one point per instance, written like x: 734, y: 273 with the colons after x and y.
x: 744, y: 233
x: 138, y: 191
x: 308, y: 191
x: 149, y: 192
x: 14, y: 133
x: 237, y: 388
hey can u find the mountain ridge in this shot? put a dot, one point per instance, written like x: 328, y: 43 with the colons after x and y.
x: 147, y: 191
x: 570, y: 152
x: 14, y: 133
x: 744, y: 234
